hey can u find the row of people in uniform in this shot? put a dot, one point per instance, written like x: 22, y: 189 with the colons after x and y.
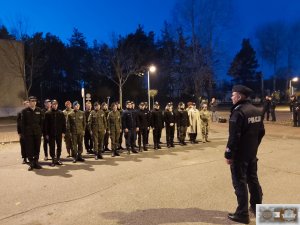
x: 95, y: 126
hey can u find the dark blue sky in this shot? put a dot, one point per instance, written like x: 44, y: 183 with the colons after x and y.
x: 98, y: 19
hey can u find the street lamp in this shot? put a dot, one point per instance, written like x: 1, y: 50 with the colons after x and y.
x: 295, y: 79
x: 151, y: 69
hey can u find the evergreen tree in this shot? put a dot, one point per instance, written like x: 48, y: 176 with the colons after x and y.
x: 244, y: 65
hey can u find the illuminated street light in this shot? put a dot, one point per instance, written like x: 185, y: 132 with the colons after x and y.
x: 295, y: 79
x: 151, y: 69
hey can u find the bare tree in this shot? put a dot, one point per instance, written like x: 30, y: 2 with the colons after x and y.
x: 271, y: 42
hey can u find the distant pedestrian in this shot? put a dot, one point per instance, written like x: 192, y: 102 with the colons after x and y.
x: 246, y: 130
x: 266, y: 107
x: 213, y: 107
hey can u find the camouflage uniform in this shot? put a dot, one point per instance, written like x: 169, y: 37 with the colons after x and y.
x: 114, y: 129
x: 97, y: 125
x: 205, y: 118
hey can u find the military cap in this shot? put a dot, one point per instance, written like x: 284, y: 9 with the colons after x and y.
x: 32, y: 98
x: 47, y: 100
x: 170, y: 104
x: 142, y: 104
x: 54, y: 101
x: 242, y: 89
x: 180, y: 103
x: 75, y: 103
x: 156, y: 103
x: 96, y: 103
x: 103, y: 104
x: 128, y: 102
x: 132, y: 102
x: 194, y: 103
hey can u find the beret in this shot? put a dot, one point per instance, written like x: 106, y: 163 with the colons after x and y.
x: 242, y: 89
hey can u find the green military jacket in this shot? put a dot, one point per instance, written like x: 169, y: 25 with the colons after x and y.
x: 67, y: 113
x: 114, y: 121
x: 97, y: 121
x: 205, y: 116
x: 77, y: 122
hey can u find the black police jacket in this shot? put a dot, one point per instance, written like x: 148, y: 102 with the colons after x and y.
x: 55, y: 123
x: 157, y: 119
x: 169, y: 117
x: 143, y: 118
x: 32, y: 121
x: 246, y: 130
x: 129, y: 119
x: 182, y: 118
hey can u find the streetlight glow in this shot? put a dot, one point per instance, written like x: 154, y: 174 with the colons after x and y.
x: 295, y: 79
x: 152, y: 69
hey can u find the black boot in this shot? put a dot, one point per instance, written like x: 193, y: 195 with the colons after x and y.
x: 58, y: 162
x: 145, y: 148
x: 133, y: 150
x: 31, y: 165
x: 37, y: 165
x: 52, y: 164
x: 79, y: 158
x: 75, y: 158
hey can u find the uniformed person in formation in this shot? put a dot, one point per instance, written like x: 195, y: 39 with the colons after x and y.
x: 114, y: 128
x: 157, y: 124
x: 144, y: 126
x: 170, y: 120
x: 119, y: 108
x: 32, y: 128
x: 55, y: 129
x: 205, y: 119
x: 130, y: 127
x: 68, y: 136
x: 97, y: 125
x: 88, y: 139
x: 149, y: 116
x: 246, y: 130
x: 182, y: 122
x: 105, y: 109
x: 77, y: 124
x: 21, y: 137
x: 47, y: 107
x: 194, y: 119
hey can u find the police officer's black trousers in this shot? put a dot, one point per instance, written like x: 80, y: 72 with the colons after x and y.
x: 106, y: 138
x: 45, y: 145
x: 244, y: 176
x: 58, y: 140
x: 23, y: 147
x: 170, y: 130
x: 296, y: 118
x: 33, y: 144
x: 120, y: 139
x: 88, y: 140
x: 156, y: 136
x: 142, y: 134
x: 130, y: 138
x: 272, y: 111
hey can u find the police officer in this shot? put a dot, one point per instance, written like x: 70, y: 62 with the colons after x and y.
x: 130, y: 127
x: 149, y: 118
x: 182, y: 122
x: 97, y: 125
x: 246, y: 130
x: 68, y: 136
x: 170, y: 120
x: 88, y: 140
x: 47, y: 107
x: 114, y: 128
x: 32, y: 128
x: 77, y: 123
x: 21, y: 137
x: 144, y: 126
x: 157, y: 124
x: 55, y: 129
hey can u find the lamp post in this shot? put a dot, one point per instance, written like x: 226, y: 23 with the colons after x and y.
x: 295, y: 79
x: 151, y: 69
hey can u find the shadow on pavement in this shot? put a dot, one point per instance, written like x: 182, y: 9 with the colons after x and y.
x: 66, y: 169
x: 168, y: 215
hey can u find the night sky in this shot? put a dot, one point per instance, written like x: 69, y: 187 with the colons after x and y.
x: 98, y: 19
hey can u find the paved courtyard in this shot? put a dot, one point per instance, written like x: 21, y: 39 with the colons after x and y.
x: 182, y: 186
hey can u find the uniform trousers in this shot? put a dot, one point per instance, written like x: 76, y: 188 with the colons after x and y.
x: 170, y: 130
x: 244, y: 176
x: 156, y: 135
x: 77, y: 141
x: 142, y: 134
x: 33, y: 144
x: 130, y: 138
x: 114, y: 137
x: 98, y: 139
x: 88, y: 140
x: 52, y: 140
x: 23, y: 147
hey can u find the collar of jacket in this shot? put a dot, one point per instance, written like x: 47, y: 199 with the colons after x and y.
x: 236, y: 105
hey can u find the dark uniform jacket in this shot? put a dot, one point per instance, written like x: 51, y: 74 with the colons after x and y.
x: 182, y: 118
x: 129, y: 119
x: 246, y: 130
x: 32, y: 121
x: 157, y: 119
x: 143, y: 118
x: 114, y: 121
x: 77, y: 122
x: 295, y: 105
x: 55, y: 123
x: 19, y: 122
x: 169, y: 117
